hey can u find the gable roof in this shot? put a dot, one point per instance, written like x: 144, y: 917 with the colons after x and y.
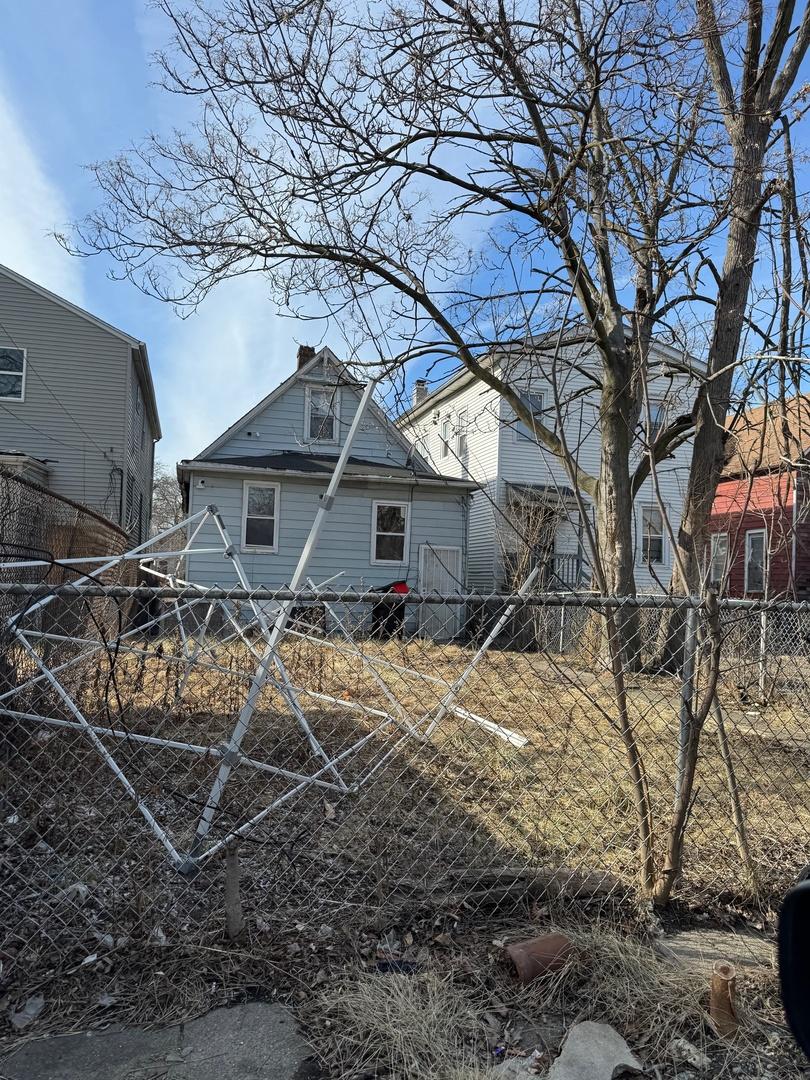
x: 463, y: 377
x: 324, y: 355
x: 768, y: 437
x: 140, y: 354
x: 323, y: 465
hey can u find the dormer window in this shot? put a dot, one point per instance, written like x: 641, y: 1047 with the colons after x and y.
x: 323, y: 414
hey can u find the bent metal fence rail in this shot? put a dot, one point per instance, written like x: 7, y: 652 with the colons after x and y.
x: 362, y: 769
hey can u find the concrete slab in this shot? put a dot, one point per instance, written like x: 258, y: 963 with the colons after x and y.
x: 699, y: 949
x: 247, y: 1042
x: 593, y: 1052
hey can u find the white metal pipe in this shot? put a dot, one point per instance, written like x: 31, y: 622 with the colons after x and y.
x: 249, y: 825
x: 96, y: 646
x: 143, y: 809
x: 262, y: 671
x: 116, y: 559
x: 168, y: 744
x: 459, y: 683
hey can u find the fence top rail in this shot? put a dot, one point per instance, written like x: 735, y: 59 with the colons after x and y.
x: 354, y: 596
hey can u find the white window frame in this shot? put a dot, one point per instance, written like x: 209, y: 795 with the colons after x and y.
x: 334, y: 391
x: 13, y: 397
x: 764, y: 534
x: 714, y: 541
x: 650, y: 562
x: 406, y: 547
x: 445, y: 434
x: 277, y: 517
x: 462, y: 441
x: 654, y: 431
x: 534, y: 396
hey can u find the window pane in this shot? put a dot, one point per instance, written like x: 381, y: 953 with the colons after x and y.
x: 390, y: 547
x: 322, y: 427
x: 391, y: 519
x: 261, y: 500
x: 260, y: 532
x: 322, y: 411
x: 652, y: 521
x: 536, y: 403
x: 11, y: 359
x: 719, y: 553
x: 11, y: 386
x: 756, y: 562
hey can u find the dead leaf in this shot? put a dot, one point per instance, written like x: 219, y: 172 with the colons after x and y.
x: 328, y: 810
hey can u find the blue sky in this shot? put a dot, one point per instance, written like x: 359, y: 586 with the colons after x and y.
x: 75, y: 88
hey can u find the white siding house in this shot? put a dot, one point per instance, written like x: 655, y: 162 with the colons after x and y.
x: 395, y: 517
x: 466, y: 429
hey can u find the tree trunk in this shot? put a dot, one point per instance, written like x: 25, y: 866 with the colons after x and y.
x: 614, y: 503
x: 708, y: 451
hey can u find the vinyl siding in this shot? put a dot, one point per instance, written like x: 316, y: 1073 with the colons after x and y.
x: 500, y: 456
x: 281, y: 427
x: 76, y: 397
x: 436, y: 517
x: 476, y: 408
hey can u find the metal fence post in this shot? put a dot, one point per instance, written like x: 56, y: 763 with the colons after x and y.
x: 763, y: 655
x: 687, y: 695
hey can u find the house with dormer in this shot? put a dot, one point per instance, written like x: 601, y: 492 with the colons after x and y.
x: 395, y: 518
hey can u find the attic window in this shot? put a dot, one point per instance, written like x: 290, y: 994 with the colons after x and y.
x: 12, y: 374
x: 323, y: 414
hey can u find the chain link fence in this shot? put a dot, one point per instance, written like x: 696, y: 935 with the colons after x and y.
x: 167, y: 767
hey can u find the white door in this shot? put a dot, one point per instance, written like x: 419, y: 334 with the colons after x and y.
x: 440, y: 572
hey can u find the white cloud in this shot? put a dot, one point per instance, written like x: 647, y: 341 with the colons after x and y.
x: 219, y: 362
x: 31, y: 207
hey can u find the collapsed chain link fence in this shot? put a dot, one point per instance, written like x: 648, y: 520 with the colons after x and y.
x: 388, y: 755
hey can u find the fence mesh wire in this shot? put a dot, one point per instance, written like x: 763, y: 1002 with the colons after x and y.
x: 397, y: 759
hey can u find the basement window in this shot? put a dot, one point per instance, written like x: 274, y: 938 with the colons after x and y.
x: 12, y: 374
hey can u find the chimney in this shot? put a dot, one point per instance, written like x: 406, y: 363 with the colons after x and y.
x: 420, y: 391
x: 305, y: 354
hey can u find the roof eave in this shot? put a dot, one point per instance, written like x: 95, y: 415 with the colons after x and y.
x: 191, y: 465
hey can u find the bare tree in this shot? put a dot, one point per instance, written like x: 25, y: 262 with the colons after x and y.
x: 167, y: 499
x: 479, y: 181
x: 451, y: 179
x: 753, y: 74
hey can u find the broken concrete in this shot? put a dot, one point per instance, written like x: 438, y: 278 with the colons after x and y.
x: 593, y: 1052
x: 247, y: 1042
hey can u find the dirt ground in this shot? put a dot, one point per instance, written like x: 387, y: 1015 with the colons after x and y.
x: 454, y: 840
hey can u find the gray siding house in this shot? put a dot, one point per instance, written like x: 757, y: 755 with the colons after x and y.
x: 394, y: 519
x: 77, y: 404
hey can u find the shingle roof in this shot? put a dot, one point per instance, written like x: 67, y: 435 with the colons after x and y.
x: 324, y: 465
x: 769, y: 437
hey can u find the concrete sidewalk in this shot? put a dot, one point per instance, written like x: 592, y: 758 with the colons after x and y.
x: 246, y: 1042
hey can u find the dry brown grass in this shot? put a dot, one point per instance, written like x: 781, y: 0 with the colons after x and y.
x: 434, y: 1024
x: 409, y: 843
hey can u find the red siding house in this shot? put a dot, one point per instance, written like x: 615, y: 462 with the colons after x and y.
x: 759, y: 530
